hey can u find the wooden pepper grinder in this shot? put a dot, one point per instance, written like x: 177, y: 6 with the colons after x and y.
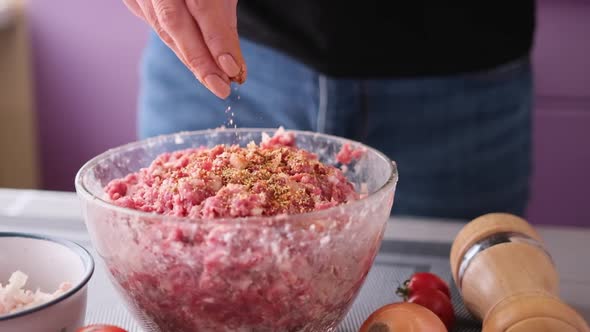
x: 508, y: 279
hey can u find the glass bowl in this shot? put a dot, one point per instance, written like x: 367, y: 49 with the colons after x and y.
x: 282, y: 273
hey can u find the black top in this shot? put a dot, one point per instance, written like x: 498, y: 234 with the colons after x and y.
x: 392, y: 38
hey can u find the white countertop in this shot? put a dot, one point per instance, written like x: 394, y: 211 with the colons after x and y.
x: 568, y: 246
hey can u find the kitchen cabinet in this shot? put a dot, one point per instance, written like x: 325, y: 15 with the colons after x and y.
x: 18, y: 146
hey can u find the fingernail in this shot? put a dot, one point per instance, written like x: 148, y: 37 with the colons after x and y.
x: 229, y: 65
x: 218, y: 86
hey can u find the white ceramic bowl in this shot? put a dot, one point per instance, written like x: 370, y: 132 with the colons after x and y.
x: 48, y: 262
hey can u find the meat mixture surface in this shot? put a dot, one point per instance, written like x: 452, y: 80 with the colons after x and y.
x: 272, y: 178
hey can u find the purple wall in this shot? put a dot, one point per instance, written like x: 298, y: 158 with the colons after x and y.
x: 561, y: 184
x: 86, y: 55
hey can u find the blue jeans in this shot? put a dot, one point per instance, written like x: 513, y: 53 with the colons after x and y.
x: 462, y: 143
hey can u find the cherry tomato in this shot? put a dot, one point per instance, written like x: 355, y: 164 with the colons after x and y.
x: 403, y: 316
x: 100, y: 328
x: 437, y: 302
x: 422, y: 280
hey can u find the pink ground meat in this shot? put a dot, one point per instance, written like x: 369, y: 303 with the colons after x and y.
x: 288, y: 276
x: 232, y: 181
x: 347, y: 154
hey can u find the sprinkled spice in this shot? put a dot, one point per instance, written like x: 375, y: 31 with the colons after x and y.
x: 274, y: 177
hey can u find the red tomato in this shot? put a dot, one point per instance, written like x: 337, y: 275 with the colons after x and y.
x: 100, y: 328
x: 420, y: 281
x: 437, y: 302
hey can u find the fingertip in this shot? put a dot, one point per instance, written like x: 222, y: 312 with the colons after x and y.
x: 240, y: 78
x: 217, y: 85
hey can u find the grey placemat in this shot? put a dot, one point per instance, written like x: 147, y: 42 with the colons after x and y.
x: 397, y: 261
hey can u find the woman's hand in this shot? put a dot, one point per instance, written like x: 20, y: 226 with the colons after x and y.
x: 202, y: 33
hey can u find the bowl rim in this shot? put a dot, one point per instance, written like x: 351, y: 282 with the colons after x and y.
x: 86, y: 193
x: 84, y: 255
